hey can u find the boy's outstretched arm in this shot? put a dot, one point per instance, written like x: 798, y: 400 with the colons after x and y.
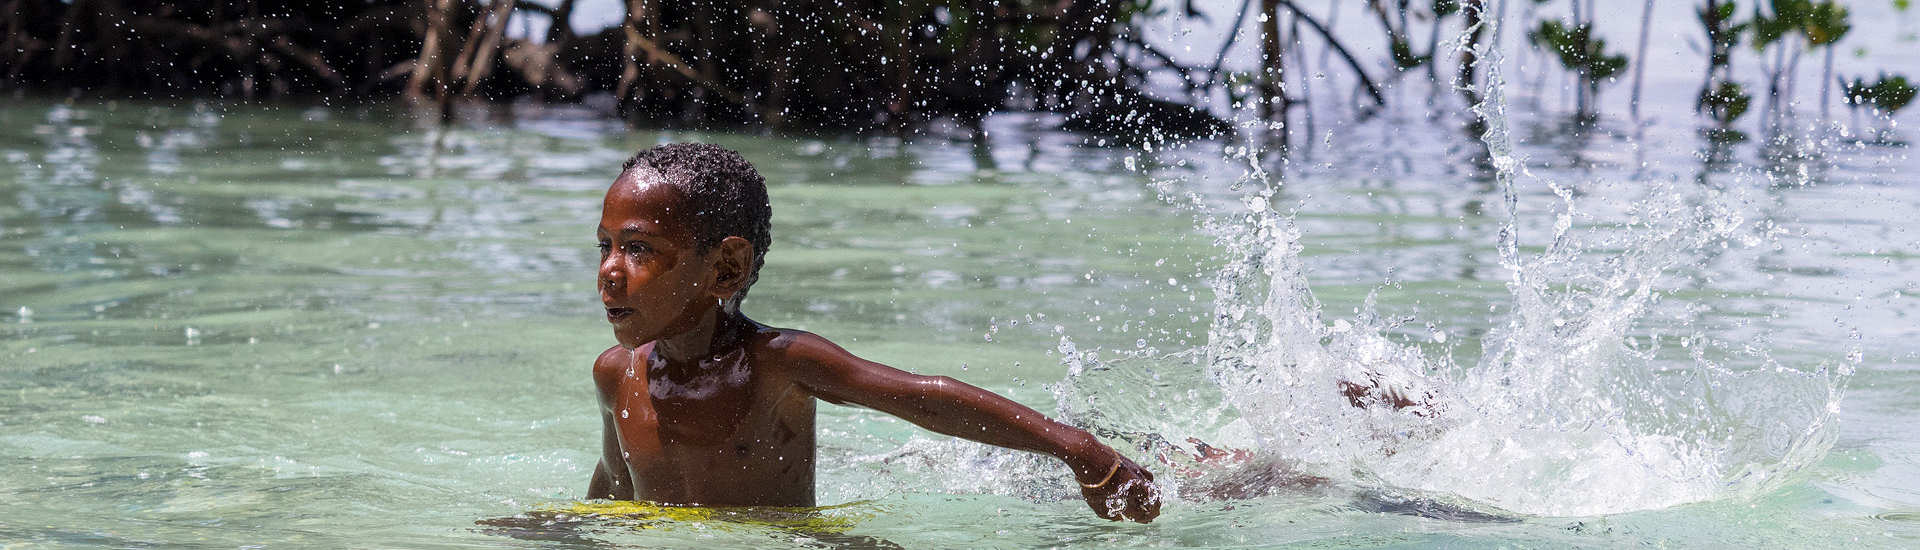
x: 1114, y: 486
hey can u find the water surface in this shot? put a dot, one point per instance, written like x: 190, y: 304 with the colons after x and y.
x: 236, y: 325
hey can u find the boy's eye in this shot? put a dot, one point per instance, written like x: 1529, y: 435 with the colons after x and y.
x: 604, y: 246
x: 635, y: 247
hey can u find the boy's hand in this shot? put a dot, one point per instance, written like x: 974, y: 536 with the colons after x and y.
x: 1127, y: 492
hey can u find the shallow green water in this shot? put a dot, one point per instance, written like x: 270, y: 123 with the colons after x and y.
x: 231, y: 325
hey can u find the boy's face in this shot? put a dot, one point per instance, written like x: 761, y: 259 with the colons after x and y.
x: 652, y: 282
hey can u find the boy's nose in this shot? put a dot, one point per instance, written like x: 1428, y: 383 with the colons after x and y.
x: 609, y: 278
x: 610, y: 289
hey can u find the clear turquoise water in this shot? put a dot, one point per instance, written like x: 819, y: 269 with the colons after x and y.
x: 228, y: 325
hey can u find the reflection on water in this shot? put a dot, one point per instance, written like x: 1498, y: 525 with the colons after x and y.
x: 235, y: 325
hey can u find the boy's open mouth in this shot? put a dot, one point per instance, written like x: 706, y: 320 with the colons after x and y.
x: 618, y: 313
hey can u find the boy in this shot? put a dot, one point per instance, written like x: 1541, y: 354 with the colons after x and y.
x: 701, y: 405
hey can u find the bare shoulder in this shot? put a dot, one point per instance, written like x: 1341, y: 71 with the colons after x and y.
x: 609, y: 366
x: 791, y: 349
x: 826, y: 370
x: 805, y: 357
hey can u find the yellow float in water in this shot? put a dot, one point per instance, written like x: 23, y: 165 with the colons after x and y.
x: 647, y: 515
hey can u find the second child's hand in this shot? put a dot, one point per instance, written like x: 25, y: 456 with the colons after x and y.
x: 1118, y: 489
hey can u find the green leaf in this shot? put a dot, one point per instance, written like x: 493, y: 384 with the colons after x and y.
x: 1792, y: 12
x: 1891, y: 93
x: 1766, y: 31
x: 1578, y: 50
x: 1725, y: 103
x: 1825, y: 24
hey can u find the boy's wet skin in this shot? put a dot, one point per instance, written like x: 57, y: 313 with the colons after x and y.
x: 701, y: 405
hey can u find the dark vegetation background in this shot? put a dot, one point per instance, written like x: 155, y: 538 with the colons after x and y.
x: 885, y: 66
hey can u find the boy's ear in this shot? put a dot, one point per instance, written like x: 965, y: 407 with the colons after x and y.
x: 732, y: 266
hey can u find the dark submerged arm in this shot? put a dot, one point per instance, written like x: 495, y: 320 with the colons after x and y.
x: 1120, y: 489
x: 611, y: 479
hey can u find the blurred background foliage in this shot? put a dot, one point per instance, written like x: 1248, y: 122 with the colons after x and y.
x: 887, y: 66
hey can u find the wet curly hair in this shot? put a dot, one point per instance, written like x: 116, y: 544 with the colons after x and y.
x: 726, y: 195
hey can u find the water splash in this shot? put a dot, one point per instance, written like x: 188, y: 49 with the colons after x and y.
x: 1578, y: 405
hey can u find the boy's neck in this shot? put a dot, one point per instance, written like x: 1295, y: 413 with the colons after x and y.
x: 718, y: 331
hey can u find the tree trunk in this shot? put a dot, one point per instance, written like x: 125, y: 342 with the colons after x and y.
x: 1773, y: 80
x: 1713, y: 50
x: 1433, y: 57
x: 1792, y: 75
x: 1581, y: 102
x: 1273, y: 90
x: 1640, y: 59
x: 1305, y: 92
x: 560, y: 28
x: 1233, y: 32
x: 1826, y: 83
x: 476, y: 59
x: 642, y: 24
x: 437, y: 50
x: 1333, y: 18
x: 1373, y: 90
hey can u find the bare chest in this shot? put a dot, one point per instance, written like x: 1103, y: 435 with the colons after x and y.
x: 666, y: 415
x: 723, y: 441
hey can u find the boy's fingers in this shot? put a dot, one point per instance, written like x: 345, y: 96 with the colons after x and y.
x: 1145, y: 500
x: 1133, y: 496
x: 1105, y: 506
x: 1115, y: 509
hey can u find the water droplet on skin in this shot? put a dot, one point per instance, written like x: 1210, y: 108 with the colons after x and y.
x: 623, y: 413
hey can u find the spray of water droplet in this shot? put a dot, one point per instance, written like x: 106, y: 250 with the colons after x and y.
x: 1564, y: 414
